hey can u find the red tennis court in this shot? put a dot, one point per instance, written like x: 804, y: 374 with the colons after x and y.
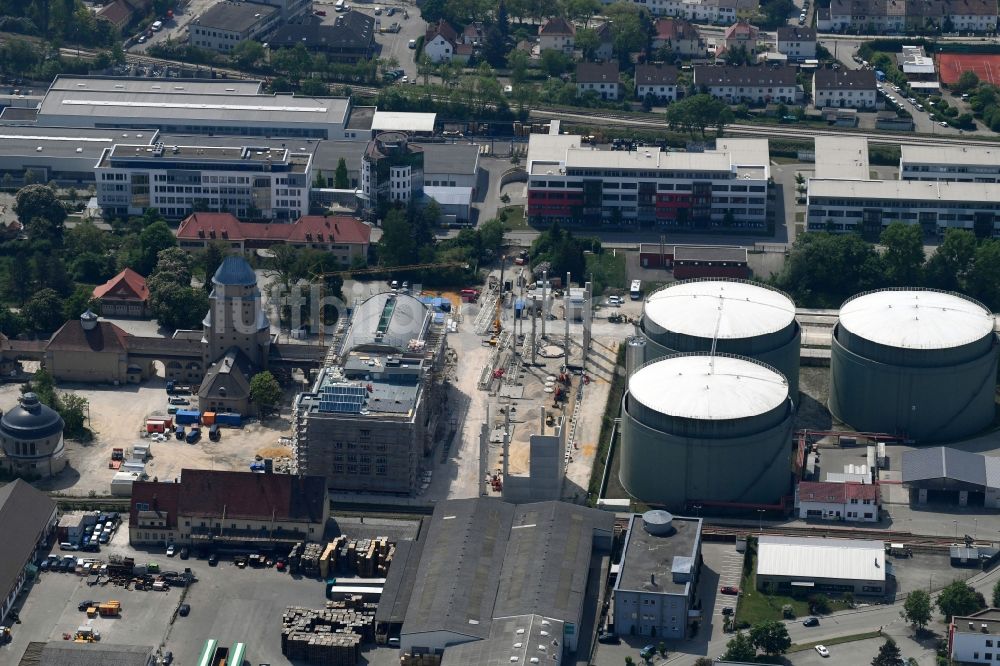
x: 985, y: 66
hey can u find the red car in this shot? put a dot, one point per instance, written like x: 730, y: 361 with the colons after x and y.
x: 729, y: 589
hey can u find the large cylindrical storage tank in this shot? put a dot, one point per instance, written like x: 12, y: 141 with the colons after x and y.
x: 743, y: 318
x: 697, y: 427
x: 914, y: 362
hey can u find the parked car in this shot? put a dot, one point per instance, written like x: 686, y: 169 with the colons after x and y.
x: 616, y: 300
x: 378, y: 11
x: 390, y: 11
x: 104, y: 538
x: 729, y: 589
x: 823, y: 652
x: 168, y: 658
x: 412, y: 44
x: 185, y: 553
x: 810, y: 622
x: 608, y: 638
x: 177, y: 400
x: 184, y: 610
x: 647, y: 652
x: 213, y: 560
x: 66, y: 545
x: 44, y: 564
x: 727, y: 610
x: 84, y: 605
x: 171, y: 550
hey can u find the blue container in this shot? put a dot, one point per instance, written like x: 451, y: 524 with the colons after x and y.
x: 224, y: 418
x: 186, y: 416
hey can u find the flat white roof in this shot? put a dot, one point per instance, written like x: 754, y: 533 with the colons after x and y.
x: 648, y: 158
x: 461, y: 196
x: 745, y: 152
x: 726, y: 309
x: 842, y: 157
x: 950, y: 155
x: 916, y: 319
x: 812, y: 558
x: 710, y: 388
x: 165, y: 86
x: 905, y: 190
x: 551, y: 147
x: 402, y: 121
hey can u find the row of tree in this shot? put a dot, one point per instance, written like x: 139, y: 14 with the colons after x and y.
x: 823, y: 269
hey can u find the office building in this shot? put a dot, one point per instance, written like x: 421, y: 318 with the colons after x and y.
x: 658, y: 576
x: 975, y: 639
x: 570, y: 183
x: 392, y: 172
x: 964, y: 164
x: 251, y: 182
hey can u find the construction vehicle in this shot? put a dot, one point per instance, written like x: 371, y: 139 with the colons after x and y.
x: 497, y: 326
x: 117, y: 456
x: 86, y: 634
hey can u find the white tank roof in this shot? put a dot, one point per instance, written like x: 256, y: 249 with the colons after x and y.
x: 738, y: 309
x: 694, y: 387
x: 916, y: 319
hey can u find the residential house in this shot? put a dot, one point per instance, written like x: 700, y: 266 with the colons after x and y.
x: 124, y: 295
x: 658, y: 81
x: 122, y: 13
x: 473, y: 34
x: 749, y: 84
x: 557, y: 34
x: 975, y: 639
x: 679, y: 36
x: 440, y: 41
x: 742, y: 35
x: 837, y: 501
x: 844, y: 89
x: 601, y: 78
x: 797, y: 43
x: 719, y: 12
x: 605, y: 42
x: 898, y: 16
x: 345, y: 237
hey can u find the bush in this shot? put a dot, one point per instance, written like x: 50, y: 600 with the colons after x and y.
x: 819, y: 603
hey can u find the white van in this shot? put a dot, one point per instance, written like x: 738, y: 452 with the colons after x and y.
x: 339, y: 6
x: 157, y: 26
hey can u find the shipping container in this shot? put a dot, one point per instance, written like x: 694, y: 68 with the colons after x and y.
x: 187, y: 416
x: 155, y: 426
x: 208, y: 418
x: 234, y: 420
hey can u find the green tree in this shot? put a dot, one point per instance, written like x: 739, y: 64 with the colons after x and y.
x: 340, y: 178
x: 154, y: 238
x: 888, y: 654
x: 314, y: 88
x: 824, y: 269
x: 966, y: 82
x: 996, y: 594
x: 73, y: 409
x: 555, y: 62
x: 178, y: 307
x: 740, y: 648
x: 43, y: 312
x: 949, y: 266
x: 79, y: 302
x: 214, y: 253
x: 699, y: 112
x: 958, y: 599
x: 84, y: 238
x: 630, y: 28
x: 265, y: 392
x: 39, y: 201
x: 18, y: 284
x: 43, y: 385
x: 903, y: 255
x: 319, y: 180
x: 984, y: 277
x: 771, y: 637
x: 518, y: 61
x: 588, y: 42
x: 396, y: 247
x: 580, y: 10
x: 247, y: 53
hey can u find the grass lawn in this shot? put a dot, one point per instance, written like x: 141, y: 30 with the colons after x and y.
x: 513, y: 218
x: 755, y: 606
x: 608, y: 270
x: 799, y: 647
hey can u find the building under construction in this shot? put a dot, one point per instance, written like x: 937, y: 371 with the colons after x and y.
x: 374, y: 408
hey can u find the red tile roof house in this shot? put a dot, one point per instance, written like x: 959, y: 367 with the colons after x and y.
x: 837, y: 501
x: 344, y: 237
x: 124, y: 295
x: 742, y: 34
x: 557, y: 34
x: 205, y: 508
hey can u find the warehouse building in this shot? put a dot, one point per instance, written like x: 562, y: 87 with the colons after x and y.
x: 64, y: 653
x: 209, y: 508
x: 808, y: 564
x: 658, y: 575
x: 568, y: 183
x: 371, y: 417
x: 498, y: 580
x: 27, y: 519
x: 944, y: 474
x: 182, y: 106
x: 252, y: 182
x: 917, y: 363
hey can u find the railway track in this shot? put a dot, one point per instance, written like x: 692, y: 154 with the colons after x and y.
x: 917, y: 542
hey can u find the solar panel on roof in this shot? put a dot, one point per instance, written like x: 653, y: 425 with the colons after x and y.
x: 342, y: 398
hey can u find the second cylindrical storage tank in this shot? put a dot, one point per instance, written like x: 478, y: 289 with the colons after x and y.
x: 741, y: 317
x: 918, y: 363
x: 697, y: 427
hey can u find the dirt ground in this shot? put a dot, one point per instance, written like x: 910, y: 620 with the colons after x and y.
x: 117, y: 415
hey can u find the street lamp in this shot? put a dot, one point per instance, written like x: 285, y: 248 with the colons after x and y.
x: 760, y: 521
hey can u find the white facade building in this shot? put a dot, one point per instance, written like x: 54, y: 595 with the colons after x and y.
x: 975, y: 639
x: 854, y: 502
x: 599, y: 78
x: 557, y: 34
x: 227, y: 24
x: 844, y: 89
x: 797, y: 43
x: 972, y: 164
x: 256, y: 183
x: 749, y: 84
x: 573, y: 184
x: 392, y: 171
x: 821, y: 564
x: 658, y: 81
x: 720, y: 12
